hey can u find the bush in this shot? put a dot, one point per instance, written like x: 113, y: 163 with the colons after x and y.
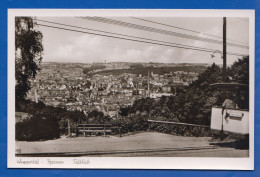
x: 46, y: 122
x: 180, y: 130
x: 130, y: 124
x: 192, y: 104
x: 37, y: 128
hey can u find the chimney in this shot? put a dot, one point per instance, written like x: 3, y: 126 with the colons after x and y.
x: 36, y: 96
x: 148, y: 80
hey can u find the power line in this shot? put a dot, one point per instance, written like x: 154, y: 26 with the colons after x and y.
x: 140, y: 27
x: 148, y: 42
x: 156, y: 30
x: 185, y: 29
x: 210, y: 50
x: 120, y: 34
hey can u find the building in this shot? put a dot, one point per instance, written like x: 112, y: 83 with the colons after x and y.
x: 159, y: 95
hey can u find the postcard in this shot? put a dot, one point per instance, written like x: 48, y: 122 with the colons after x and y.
x: 131, y: 89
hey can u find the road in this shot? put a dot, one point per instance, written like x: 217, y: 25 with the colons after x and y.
x: 150, y: 144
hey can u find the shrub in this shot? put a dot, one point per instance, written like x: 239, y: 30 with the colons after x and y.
x: 37, y: 128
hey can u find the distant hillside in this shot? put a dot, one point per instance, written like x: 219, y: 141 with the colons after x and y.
x: 156, y: 70
x: 107, y: 68
x: 121, y: 68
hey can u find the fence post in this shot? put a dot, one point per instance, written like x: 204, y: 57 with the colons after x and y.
x: 69, y: 127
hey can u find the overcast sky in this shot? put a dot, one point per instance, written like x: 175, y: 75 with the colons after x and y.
x: 68, y: 46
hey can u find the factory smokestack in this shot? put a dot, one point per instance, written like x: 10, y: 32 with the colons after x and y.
x: 148, y: 80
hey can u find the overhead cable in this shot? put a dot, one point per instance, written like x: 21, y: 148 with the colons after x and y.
x: 134, y: 40
x: 160, y: 31
x: 185, y: 29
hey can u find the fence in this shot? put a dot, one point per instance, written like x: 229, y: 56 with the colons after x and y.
x: 178, y: 128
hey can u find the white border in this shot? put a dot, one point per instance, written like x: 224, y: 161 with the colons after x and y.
x: 129, y: 162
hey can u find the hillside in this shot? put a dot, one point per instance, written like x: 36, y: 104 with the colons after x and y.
x: 193, y: 103
x: 156, y: 70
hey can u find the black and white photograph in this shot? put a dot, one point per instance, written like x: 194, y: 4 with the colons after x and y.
x: 148, y: 89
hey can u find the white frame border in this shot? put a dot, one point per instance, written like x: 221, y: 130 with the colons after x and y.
x: 129, y: 162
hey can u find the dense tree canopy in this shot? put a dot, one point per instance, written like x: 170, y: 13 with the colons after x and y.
x: 44, y: 122
x: 193, y: 103
x: 96, y: 116
x: 92, y: 68
x: 136, y: 66
x: 28, y: 54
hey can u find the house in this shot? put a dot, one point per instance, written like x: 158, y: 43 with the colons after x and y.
x: 112, y: 113
x: 159, y: 95
x: 166, y: 88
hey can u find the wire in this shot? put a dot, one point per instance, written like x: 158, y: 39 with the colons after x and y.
x: 121, y: 34
x: 185, y: 29
x: 156, y: 30
x: 125, y: 35
x: 135, y: 40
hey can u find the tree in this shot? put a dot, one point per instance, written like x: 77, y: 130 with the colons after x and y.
x: 86, y: 70
x: 124, y: 111
x: 97, y: 115
x: 239, y: 71
x: 37, y: 128
x: 28, y: 55
x: 136, y: 66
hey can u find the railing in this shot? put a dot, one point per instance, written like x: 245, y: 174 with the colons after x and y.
x: 179, y: 128
x: 178, y: 123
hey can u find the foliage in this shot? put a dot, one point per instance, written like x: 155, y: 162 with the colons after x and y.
x: 192, y: 104
x: 60, y: 113
x: 124, y: 111
x: 181, y: 130
x: 96, y: 116
x: 130, y: 124
x: 92, y: 68
x: 45, y: 122
x: 28, y: 54
x: 240, y: 70
x: 136, y: 66
x: 156, y: 70
x: 37, y: 127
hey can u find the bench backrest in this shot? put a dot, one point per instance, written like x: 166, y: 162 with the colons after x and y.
x: 94, y: 126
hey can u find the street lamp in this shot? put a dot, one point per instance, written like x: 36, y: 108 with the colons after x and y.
x: 216, y: 51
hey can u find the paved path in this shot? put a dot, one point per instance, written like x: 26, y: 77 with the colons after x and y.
x: 141, y: 144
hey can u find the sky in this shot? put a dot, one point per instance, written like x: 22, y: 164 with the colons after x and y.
x: 70, y: 46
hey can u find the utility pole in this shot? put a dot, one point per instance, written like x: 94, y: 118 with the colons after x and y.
x: 224, y: 49
x: 224, y: 68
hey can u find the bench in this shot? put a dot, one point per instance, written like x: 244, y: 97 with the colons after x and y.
x: 90, y: 129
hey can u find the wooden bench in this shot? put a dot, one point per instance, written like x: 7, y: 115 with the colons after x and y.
x: 90, y: 129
